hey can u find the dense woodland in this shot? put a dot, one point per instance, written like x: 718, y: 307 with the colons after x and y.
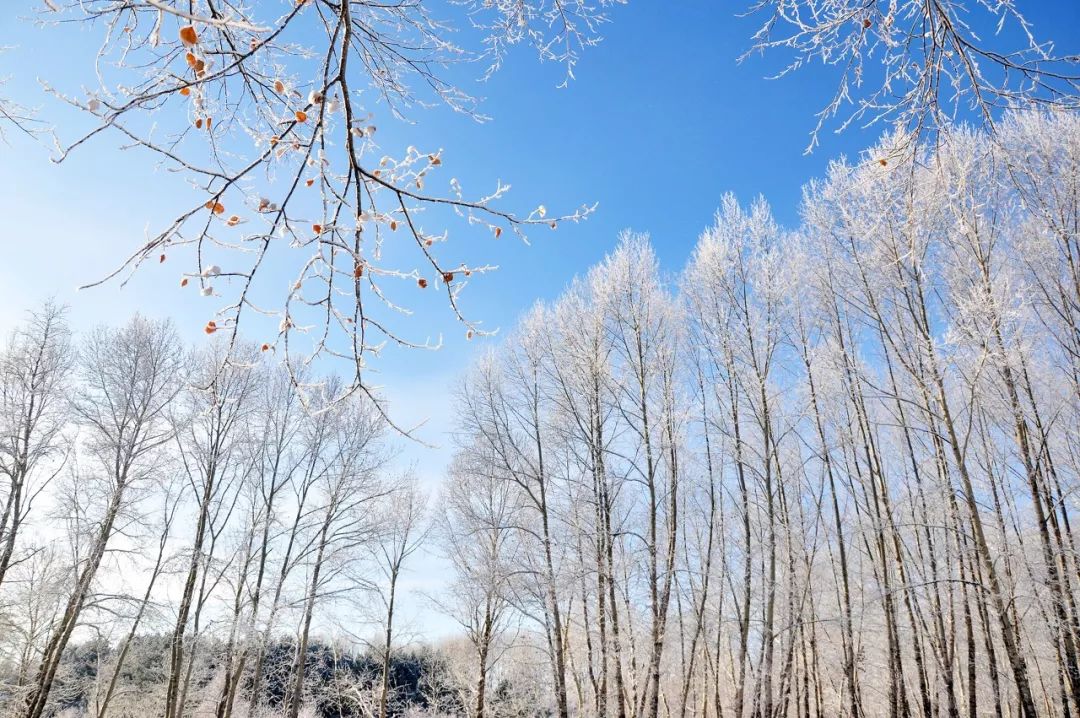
x: 823, y: 471
x: 342, y: 684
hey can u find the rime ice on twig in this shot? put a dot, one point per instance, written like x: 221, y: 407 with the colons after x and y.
x: 278, y: 141
x: 918, y: 63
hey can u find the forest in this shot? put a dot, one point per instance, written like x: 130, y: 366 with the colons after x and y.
x: 823, y: 470
x: 813, y: 459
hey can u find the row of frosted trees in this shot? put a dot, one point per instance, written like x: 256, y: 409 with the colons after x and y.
x: 153, y: 490
x: 828, y: 471
x: 823, y: 472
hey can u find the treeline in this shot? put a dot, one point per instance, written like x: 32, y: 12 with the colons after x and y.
x: 342, y: 684
x: 204, y: 497
x: 830, y: 471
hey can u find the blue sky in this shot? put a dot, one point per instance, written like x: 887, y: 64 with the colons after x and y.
x: 659, y: 124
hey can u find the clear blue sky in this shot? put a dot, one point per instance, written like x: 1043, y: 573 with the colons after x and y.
x: 660, y: 122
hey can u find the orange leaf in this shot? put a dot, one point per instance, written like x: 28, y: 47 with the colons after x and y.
x: 183, y: 282
x: 265, y: 347
x: 393, y: 226
x: 301, y: 116
x: 161, y: 259
x: 358, y: 270
x: 310, y: 182
x: 198, y: 123
x: 185, y: 91
x: 498, y: 232
x: 422, y: 283
x: 279, y: 86
x: 218, y: 208
x: 191, y: 59
x: 233, y: 221
x: 188, y: 36
x: 317, y: 228
x: 448, y: 277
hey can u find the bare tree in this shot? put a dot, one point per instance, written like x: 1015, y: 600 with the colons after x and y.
x: 170, y: 505
x: 32, y: 602
x: 345, y: 484
x: 34, y: 372
x: 403, y: 533
x: 643, y: 322
x: 277, y: 458
x: 128, y: 378
x: 212, y: 447
x: 503, y: 410
x: 477, y: 527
